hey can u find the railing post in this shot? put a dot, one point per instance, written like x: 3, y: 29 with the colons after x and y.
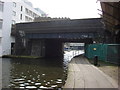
x: 96, y: 60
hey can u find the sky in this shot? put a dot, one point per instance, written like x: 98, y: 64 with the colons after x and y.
x: 74, y: 9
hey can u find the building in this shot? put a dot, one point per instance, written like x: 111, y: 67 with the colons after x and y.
x: 11, y: 12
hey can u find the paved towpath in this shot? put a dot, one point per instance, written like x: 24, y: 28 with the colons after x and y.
x: 82, y: 74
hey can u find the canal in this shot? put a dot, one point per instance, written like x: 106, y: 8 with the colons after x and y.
x: 36, y: 73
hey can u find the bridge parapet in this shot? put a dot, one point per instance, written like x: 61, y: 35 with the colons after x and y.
x: 63, y: 26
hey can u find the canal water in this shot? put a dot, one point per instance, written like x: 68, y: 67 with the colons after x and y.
x: 36, y: 73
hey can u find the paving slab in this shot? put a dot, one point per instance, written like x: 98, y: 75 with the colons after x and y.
x: 82, y: 74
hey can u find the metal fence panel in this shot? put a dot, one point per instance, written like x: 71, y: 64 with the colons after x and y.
x: 113, y: 54
x: 105, y: 52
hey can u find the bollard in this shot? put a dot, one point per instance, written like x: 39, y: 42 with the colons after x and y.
x: 96, y: 60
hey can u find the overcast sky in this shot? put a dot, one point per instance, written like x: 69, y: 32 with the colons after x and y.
x: 74, y: 9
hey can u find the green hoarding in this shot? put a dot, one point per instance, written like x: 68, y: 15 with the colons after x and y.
x: 105, y: 52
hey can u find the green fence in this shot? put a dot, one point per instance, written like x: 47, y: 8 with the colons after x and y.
x: 105, y: 52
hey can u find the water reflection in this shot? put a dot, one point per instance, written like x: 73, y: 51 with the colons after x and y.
x: 34, y: 73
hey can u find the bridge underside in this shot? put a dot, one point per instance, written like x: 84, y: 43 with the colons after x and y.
x: 50, y: 47
x: 62, y: 35
x: 46, y: 38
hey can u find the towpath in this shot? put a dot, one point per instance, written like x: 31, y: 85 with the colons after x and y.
x: 82, y: 74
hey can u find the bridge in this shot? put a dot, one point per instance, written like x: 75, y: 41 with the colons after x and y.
x: 46, y: 38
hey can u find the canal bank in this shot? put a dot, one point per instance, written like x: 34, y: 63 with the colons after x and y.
x: 82, y: 74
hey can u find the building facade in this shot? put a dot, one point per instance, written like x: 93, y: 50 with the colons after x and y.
x: 12, y: 12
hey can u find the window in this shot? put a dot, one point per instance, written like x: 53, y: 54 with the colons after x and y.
x: 27, y: 11
x: 21, y: 8
x: 33, y: 14
x: 1, y: 6
x: 14, y: 13
x: 1, y: 23
x: 14, y: 4
x: 21, y: 16
x: 30, y: 13
x: 28, y: 18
